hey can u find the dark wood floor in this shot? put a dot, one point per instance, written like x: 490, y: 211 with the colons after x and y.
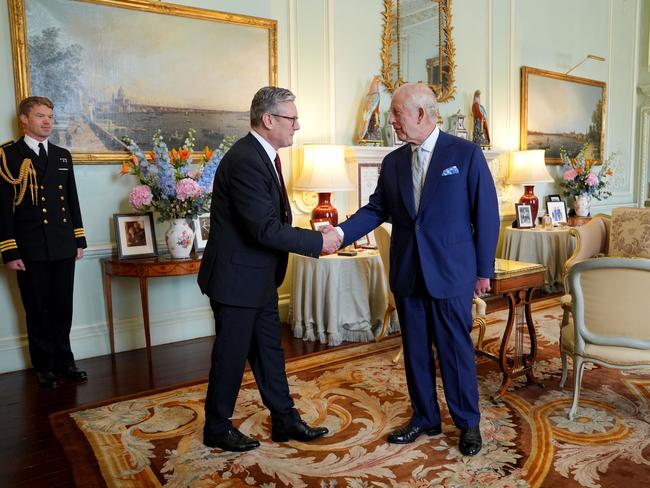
x: 30, y: 454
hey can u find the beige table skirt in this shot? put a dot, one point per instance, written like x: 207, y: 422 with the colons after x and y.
x: 339, y: 298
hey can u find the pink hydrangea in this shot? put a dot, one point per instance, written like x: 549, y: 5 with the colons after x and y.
x: 140, y: 197
x: 592, y: 179
x: 188, y: 188
x: 570, y: 175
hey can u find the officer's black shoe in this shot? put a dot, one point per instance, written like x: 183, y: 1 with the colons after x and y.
x: 470, y: 441
x: 410, y: 432
x: 230, y: 440
x: 72, y: 373
x: 47, y: 380
x: 299, y: 431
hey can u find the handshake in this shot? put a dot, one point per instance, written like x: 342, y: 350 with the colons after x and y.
x: 331, y: 240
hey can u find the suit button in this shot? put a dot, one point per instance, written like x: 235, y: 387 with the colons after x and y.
x: 42, y: 187
x: 60, y: 187
x: 62, y: 209
x: 42, y: 199
x: 45, y: 221
x: 62, y: 198
x: 65, y: 220
x: 44, y: 210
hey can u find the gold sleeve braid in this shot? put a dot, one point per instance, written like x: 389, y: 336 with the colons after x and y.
x: 26, y: 177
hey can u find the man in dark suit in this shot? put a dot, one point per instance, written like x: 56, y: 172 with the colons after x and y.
x: 439, y: 195
x: 244, y: 262
x: 41, y: 236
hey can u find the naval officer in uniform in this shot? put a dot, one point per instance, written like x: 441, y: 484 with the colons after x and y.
x: 41, y: 237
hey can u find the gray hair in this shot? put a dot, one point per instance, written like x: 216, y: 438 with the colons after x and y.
x: 418, y: 95
x: 266, y: 100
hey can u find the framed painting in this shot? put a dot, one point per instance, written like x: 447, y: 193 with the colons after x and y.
x: 368, y: 174
x: 561, y: 111
x: 318, y: 224
x: 130, y: 67
x: 201, y: 231
x: 135, y: 236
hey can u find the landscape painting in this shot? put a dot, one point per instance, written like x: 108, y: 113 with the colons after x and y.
x: 561, y: 111
x: 123, y: 67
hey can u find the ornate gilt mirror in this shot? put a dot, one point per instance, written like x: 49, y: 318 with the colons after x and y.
x: 417, y: 45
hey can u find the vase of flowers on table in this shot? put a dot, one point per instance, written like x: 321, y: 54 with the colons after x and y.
x: 582, y: 180
x: 173, y: 184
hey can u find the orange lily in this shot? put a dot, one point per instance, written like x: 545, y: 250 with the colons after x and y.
x: 207, y: 153
x: 184, y: 154
x: 126, y: 168
x: 151, y: 157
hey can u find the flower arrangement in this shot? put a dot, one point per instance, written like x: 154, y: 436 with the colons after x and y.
x: 171, y: 182
x: 579, y: 177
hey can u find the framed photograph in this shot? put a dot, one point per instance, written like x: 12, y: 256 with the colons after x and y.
x: 368, y: 174
x: 557, y: 212
x: 554, y: 198
x: 580, y: 121
x: 201, y: 231
x: 100, y: 61
x: 524, y: 216
x: 134, y: 234
x: 318, y: 224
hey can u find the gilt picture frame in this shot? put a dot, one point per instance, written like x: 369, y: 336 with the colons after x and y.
x: 135, y: 235
x: 562, y: 111
x: 104, y: 78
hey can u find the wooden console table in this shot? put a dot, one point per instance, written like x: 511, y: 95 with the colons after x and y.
x: 142, y: 269
x: 517, y: 281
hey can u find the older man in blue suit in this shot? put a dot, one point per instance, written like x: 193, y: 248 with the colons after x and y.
x: 439, y: 195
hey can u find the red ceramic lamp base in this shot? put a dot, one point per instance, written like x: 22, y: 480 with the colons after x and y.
x: 529, y: 198
x: 325, y: 210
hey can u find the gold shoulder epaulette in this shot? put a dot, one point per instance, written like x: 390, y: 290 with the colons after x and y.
x: 26, y: 177
x: 7, y: 143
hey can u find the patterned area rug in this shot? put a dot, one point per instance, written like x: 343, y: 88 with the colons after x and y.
x: 360, y: 395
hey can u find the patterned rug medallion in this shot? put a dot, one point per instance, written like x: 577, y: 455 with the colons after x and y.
x: 360, y: 395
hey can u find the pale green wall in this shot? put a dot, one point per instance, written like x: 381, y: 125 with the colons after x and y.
x: 328, y: 51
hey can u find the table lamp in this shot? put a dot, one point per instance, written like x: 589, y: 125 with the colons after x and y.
x: 324, y: 172
x: 528, y: 168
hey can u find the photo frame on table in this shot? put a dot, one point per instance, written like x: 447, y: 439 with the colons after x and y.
x: 68, y: 51
x: 583, y: 103
x: 201, y: 226
x: 554, y: 198
x: 557, y: 212
x: 524, y: 216
x: 135, y: 235
x: 318, y: 224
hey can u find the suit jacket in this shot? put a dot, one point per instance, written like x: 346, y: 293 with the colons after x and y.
x: 453, y: 236
x: 49, y: 228
x: 245, y: 259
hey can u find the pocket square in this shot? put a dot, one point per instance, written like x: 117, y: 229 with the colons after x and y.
x: 452, y: 170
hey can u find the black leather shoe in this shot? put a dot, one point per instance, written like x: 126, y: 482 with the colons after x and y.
x: 47, y: 380
x: 73, y: 373
x: 410, y: 432
x: 299, y: 431
x: 230, y: 440
x: 470, y: 441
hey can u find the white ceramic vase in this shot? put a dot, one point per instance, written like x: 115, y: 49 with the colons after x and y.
x: 582, y: 205
x: 179, y: 238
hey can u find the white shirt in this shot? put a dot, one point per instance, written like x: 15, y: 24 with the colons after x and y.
x: 33, y: 144
x: 428, y: 146
x: 270, y: 150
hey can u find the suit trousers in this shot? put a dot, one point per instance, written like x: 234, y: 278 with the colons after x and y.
x: 446, y: 323
x: 46, y: 290
x: 247, y: 333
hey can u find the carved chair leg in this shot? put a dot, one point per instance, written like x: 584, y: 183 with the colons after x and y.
x: 578, y: 368
x: 565, y: 367
x: 386, y: 324
x: 398, y: 356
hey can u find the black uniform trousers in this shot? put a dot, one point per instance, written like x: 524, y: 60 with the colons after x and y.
x: 254, y: 334
x: 46, y: 289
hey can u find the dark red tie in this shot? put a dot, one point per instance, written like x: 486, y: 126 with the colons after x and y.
x: 286, y: 208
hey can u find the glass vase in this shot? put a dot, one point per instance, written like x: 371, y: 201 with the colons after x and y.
x: 179, y: 238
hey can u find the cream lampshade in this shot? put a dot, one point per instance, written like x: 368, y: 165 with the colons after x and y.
x: 528, y: 168
x: 324, y: 172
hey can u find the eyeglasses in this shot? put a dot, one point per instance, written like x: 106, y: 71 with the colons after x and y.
x: 294, y: 120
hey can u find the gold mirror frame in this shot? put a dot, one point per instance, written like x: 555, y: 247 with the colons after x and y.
x: 19, y: 48
x: 444, y: 91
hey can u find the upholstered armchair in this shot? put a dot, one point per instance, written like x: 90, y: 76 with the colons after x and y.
x: 382, y: 238
x: 610, y: 317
